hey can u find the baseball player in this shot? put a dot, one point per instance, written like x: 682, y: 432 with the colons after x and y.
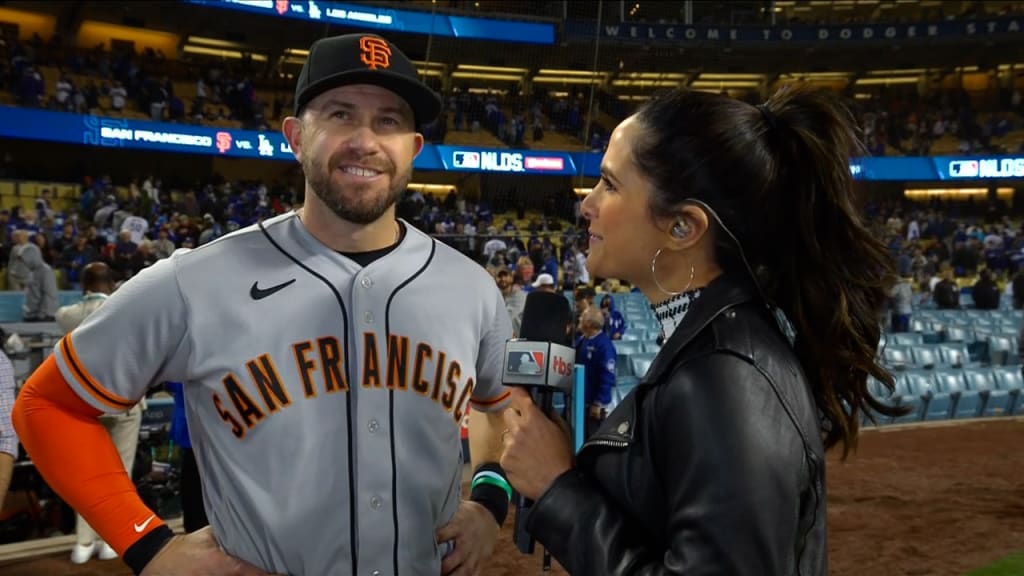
x: 324, y: 400
x: 97, y: 285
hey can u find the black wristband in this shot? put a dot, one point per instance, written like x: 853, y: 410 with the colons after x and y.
x: 138, y: 555
x: 494, y: 498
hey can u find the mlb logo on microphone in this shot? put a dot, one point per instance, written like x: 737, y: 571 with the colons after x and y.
x: 525, y: 362
x: 462, y: 159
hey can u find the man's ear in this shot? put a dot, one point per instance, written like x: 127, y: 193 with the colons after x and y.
x: 291, y: 127
x: 418, y: 147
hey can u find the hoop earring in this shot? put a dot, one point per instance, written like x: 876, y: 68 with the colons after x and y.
x: 654, y: 276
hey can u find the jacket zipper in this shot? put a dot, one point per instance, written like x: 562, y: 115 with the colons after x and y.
x: 611, y: 443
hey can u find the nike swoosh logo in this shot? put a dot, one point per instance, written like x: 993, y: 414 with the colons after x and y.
x: 140, y: 527
x: 257, y: 293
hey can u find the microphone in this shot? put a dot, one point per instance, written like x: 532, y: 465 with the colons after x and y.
x: 542, y: 361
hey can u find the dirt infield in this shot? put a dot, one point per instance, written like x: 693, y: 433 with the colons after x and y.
x: 921, y: 501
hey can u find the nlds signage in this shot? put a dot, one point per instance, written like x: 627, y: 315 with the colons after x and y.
x: 488, y: 161
x: 987, y: 168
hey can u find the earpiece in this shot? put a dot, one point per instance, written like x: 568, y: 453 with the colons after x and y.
x: 680, y: 230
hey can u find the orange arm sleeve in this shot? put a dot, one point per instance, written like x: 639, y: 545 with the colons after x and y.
x: 75, y: 455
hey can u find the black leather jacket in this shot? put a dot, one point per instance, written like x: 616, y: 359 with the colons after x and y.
x: 713, y: 464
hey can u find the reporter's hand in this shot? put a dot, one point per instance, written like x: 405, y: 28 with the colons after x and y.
x: 537, y: 450
x: 197, y: 554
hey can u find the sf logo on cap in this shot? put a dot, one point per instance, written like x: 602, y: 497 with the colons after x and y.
x: 375, y: 52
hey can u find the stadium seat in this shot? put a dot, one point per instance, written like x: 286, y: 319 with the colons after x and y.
x: 627, y: 347
x: 623, y: 365
x: 955, y: 334
x: 1009, y: 378
x: 650, y: 347
x: 965, y: 403
x: 919, y: 387
x: 631, y: 336
x: 641, y: 363
x: 897, y: 357
x: 925, y: 356
x: 913, y: 388
x: 1002, y: 350
x: 996, y: 402
x: 904, y: 339
x: 953, y: 355
x: 878, y: 392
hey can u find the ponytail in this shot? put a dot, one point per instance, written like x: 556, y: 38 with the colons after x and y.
x: 829, y: 275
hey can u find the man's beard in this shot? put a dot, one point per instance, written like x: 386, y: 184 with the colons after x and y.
x: 361, y: 209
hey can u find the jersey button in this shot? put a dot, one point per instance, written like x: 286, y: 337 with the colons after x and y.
x: 375, y: 502
x: 366, y: 282
x: 373, y: 425
x: 368, y: 317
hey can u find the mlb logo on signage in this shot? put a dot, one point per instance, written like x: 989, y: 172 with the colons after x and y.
x: 525, y: 363
x: 963, y: 168
x: 466, y: 159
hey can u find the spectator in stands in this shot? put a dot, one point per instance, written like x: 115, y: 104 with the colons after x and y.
x: 97, y: 284
x: 544, y: 283
x: 8, y: 436
x: 523, y: 273
x: 74, y: 258
x: 515, y: 298
x: 739, y: 224
x: 902, y: 304
x: 614, y: 323
x: 41, y: 299
x: 18, y: 273
x: 946, y: 292
x: 595, y: 351
x: 162, y: 246
x: 1018, y: 291
x: 985, y: 291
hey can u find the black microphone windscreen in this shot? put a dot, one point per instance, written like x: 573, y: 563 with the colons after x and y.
x: 547, y: 317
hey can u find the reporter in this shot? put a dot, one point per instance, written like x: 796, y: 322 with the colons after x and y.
x: 738, y: 223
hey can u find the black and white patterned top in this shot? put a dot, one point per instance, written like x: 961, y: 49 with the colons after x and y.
x: 671, y: 312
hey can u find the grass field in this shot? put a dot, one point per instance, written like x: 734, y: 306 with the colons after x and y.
x: 1011, y: 566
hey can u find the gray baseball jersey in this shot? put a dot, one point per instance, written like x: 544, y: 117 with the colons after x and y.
x: 325, y: 400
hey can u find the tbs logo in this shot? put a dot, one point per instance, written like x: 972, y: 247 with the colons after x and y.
x: 560, y: 366
x: 466, y: 159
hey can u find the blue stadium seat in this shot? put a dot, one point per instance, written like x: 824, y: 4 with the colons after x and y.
x: 623, y: 365
x: 641, y: 362
x: 956, y: 334
x: 627, y: 347
x: 641, y: 333
x: 623, y: 386
x: 955, y: 355
x: 912, y: 389
x: 878, y: 392
x: 1002, y: 349
x: 904, y: 339
x: 650, y: 347
x: 1009, y: 378
x: 631, y: 336
x: 925, y: 356
x: 966, y: 403
x: 920, y: 386
x: 897, y: 357
x: 996, y: 402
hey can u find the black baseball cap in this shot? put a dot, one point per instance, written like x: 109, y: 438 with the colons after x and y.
x: 364, y: 59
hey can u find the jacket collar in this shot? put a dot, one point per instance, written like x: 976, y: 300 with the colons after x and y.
x: 720, y: 295
x: 717, y: 298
